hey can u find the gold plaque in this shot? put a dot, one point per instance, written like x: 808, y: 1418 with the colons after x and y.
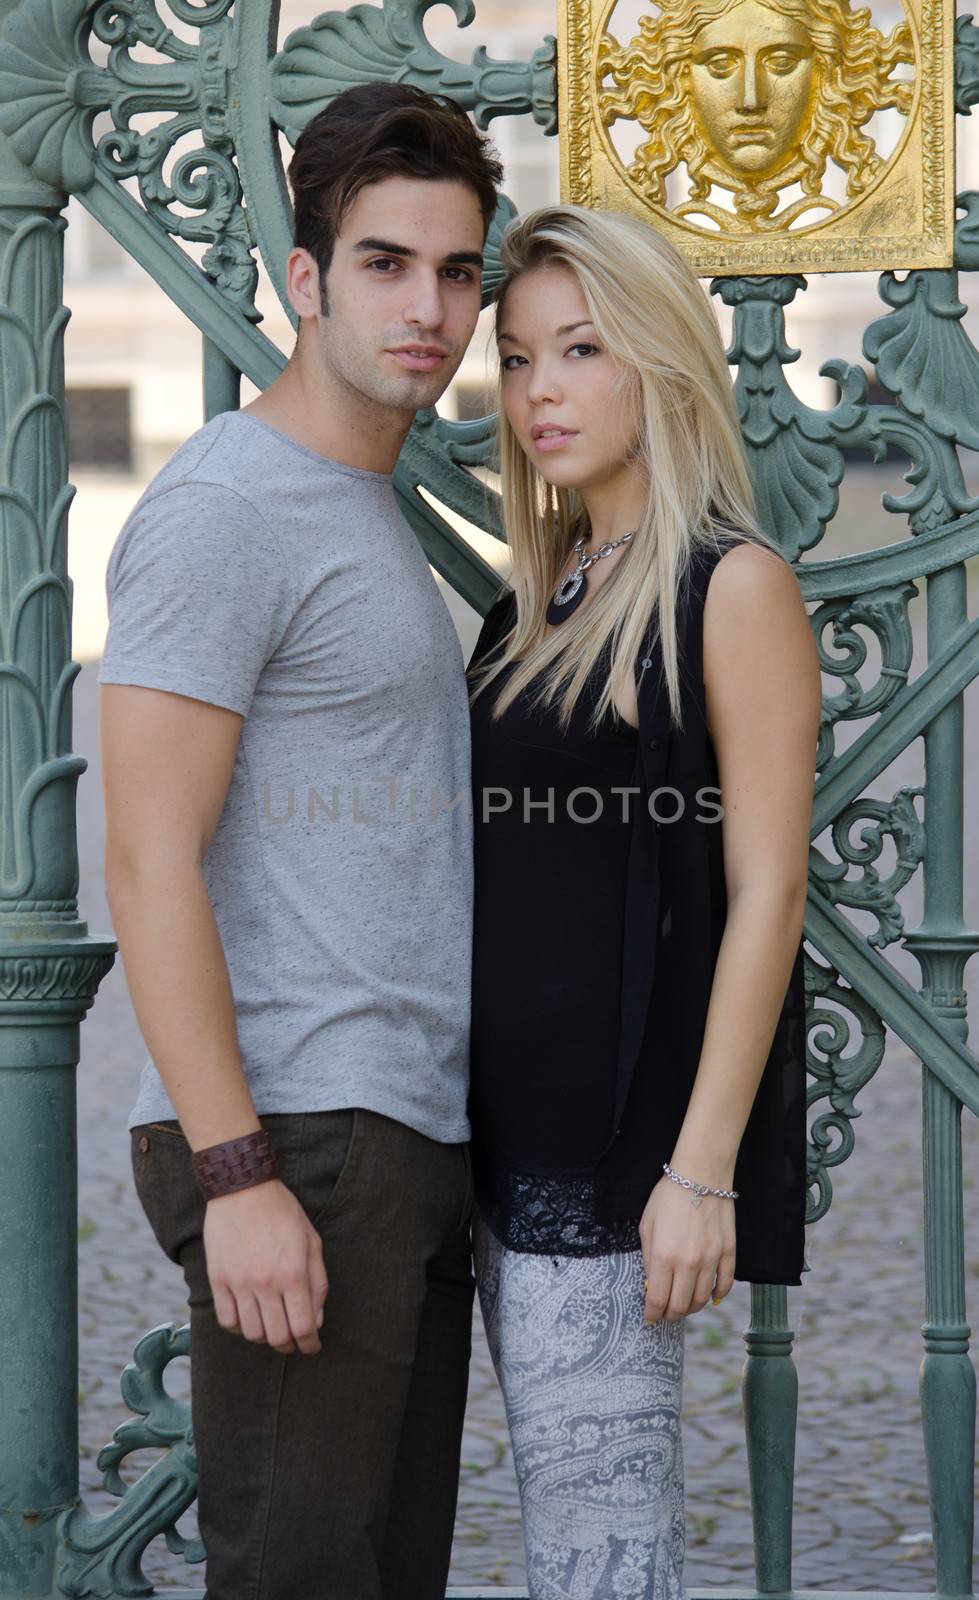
x: 766, y: 136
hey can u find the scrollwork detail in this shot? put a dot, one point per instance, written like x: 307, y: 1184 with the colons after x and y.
x: 897, y: 818
x: 796, y: 465
x: 389, y: 42
x: 885, y: 612
x: 202, y: 179
x: 835, y: 1077
x: 101, y: 1556
x: 63, y: 91
x: 132, y: 22
x: 924, y: 356
x: 205, y: 181
x: 796, y: 451
x: 200, y: 12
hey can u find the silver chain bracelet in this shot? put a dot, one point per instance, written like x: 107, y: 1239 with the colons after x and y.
x: 698, y: 1190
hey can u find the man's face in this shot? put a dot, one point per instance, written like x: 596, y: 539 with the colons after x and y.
x: 403, y: 290
x: 751, y: 86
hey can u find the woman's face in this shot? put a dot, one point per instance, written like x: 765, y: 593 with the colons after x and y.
x: 562, y: 391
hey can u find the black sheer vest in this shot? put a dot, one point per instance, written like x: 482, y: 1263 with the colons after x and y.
x: 673, y: 913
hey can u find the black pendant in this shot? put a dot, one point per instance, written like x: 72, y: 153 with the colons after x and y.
x: 567, y: 597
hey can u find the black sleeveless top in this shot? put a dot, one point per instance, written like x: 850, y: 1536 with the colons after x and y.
x: 552, y: 820
x: 594, y: 953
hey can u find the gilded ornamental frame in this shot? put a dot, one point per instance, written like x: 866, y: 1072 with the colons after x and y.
x: 898, y: 210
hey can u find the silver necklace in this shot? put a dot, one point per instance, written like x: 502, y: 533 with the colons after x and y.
x: 570, y: 592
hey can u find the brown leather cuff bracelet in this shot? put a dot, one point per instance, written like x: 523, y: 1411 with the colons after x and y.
x: 236, y: 1164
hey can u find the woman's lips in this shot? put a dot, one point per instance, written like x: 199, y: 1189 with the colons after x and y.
x: 554, y: 441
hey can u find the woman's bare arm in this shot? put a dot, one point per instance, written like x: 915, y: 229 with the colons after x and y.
x: 762, y: 682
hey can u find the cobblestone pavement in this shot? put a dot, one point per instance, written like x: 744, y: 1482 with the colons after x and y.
x: 861, y: 1503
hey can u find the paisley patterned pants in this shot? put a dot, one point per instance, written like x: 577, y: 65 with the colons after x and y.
x: 592, y: 1398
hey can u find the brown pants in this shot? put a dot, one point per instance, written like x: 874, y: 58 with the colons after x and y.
x: 334, y: 1476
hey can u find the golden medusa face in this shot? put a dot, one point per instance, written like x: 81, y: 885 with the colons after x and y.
x: 766, y: 136
x: 751, y: 77
x: 753, y: 98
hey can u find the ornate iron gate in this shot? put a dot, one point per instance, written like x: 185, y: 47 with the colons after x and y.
x: 236, y: 90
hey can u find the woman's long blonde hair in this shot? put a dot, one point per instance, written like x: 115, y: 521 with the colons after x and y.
x: 655, y: 320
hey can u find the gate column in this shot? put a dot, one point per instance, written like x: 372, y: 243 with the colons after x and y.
x: 942, y: 944
x: 49, y: 968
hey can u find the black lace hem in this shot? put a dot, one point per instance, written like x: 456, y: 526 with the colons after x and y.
x: 542, y: 1215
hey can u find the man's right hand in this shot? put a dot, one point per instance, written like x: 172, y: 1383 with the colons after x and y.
x: 265, y: 1264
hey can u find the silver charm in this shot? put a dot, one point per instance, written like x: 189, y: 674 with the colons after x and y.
x: 569, y: 588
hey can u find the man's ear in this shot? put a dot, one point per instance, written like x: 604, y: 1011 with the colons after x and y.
x: 303, y: 284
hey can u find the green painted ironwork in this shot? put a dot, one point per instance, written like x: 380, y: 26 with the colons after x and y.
x: 49, y: 968
x: 101, y: 1555
x: 232, y: 91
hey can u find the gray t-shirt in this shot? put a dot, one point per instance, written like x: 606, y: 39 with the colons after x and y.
x: 258, y: 575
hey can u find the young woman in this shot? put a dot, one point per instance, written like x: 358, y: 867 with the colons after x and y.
x: 643, y: 756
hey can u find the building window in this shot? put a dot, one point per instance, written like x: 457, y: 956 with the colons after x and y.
x: 91, y: 251
x: 100, y: 431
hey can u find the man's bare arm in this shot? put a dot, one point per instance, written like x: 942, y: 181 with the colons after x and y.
x: 167, y: 762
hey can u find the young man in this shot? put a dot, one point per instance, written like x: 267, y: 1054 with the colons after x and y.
x: 285, y: 730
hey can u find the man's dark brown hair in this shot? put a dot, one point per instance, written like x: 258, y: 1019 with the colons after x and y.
x: 375, y: 131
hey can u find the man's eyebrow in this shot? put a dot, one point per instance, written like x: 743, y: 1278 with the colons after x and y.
x: 457, y: 258
x: 385, y: 247
x: 559, y: 333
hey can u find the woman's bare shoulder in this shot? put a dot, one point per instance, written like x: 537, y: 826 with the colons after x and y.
x: 756, y: 627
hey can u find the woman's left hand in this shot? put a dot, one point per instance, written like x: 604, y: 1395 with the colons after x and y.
x: 688, y: 1251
